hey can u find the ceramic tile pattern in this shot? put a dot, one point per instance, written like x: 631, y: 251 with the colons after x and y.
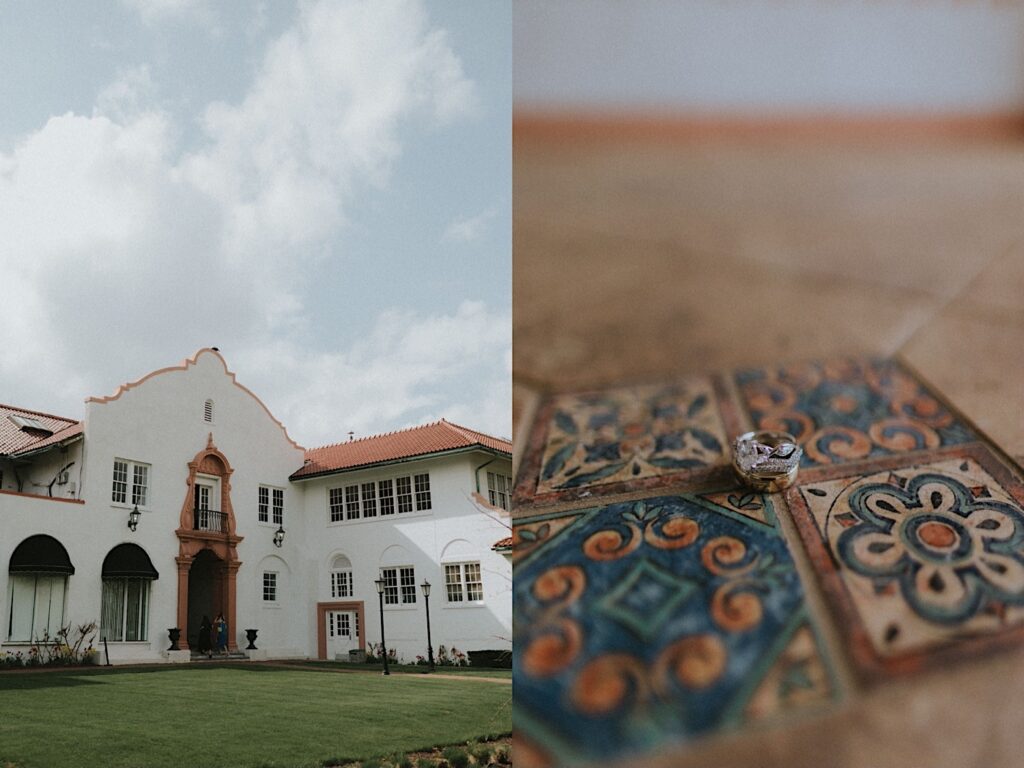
x: 655, y: 621
x: 918, y: 556
x: 678, y: 613
x: 606, y: 439
x: 849, y: 410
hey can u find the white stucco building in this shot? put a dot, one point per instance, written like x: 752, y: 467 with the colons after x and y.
x: 215, y: 476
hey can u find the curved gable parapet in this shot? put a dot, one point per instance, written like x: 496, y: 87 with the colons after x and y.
x: 184, y: 366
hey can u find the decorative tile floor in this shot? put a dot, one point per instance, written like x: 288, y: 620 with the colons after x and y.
x: 919, y: 557
x: 595, y: 443
x: 653, y: 620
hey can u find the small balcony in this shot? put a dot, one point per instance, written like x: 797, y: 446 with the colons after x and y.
x: 209, y: 520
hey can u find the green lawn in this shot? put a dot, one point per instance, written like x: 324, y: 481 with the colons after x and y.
x: 235, y: 716
x: 411, y: 669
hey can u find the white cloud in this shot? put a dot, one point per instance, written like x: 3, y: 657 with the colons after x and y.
x: 401, y: 374
x: 155, y: 11
x: 468, y: 230
x: 122, y: 252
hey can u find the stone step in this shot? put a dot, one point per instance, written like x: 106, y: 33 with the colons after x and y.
x: 236, y: 656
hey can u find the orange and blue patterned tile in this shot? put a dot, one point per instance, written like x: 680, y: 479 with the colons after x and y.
x: 922, y: 558
x: 849, y: 410
x: 629, y: 438
x: 646, y: 624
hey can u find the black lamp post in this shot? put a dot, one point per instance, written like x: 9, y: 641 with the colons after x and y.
x: 383, y: 649
x: 133, y: 518
x: 279, y: 536
x: 425, y: 586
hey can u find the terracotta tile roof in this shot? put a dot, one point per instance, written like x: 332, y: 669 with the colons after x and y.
x: 407, y: 443
x: 502, y: 545
x: 14, y: 439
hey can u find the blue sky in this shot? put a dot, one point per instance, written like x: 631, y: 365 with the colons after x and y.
x: 321, y: 189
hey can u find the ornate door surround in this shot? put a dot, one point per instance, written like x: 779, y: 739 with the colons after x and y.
x: 224, y: 543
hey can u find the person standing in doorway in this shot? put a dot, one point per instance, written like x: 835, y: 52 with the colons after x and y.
x: 204, y: 637
x: 220, y: 629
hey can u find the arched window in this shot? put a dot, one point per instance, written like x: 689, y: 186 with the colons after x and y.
x: 39, y: 570
x: 124, y: 614
x: 208, y: 411
x: 341, y: 577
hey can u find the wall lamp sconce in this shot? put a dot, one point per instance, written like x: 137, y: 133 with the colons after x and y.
x: 133, y: 518
x: 279, y: 536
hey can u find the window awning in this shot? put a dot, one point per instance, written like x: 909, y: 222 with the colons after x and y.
x: 41, y: 554
x: 128, y: 561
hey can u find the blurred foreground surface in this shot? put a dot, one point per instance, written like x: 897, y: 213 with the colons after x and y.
x: 690, y: 282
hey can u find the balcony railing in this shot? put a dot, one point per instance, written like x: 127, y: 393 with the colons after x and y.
x: 209, y: 520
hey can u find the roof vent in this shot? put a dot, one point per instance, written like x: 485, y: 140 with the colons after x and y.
x: 25, y: 423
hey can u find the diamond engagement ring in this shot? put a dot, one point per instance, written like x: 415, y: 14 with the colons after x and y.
x: 766, y: 461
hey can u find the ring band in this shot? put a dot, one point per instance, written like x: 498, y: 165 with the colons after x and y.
x: 766, y: 460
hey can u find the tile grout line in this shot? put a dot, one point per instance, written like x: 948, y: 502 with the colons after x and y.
x: 939, y: 310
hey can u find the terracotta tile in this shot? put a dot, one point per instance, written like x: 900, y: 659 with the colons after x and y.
x: 978, y: 364
x: 919, y: 556
x: 658, y: 621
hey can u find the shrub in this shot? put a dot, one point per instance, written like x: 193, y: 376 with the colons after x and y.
x: 482, y: 754
x: 403, y: 762
x: 501, y: 755
x: 456, y: 757
x: 425, y: 762
x: 373, y: 762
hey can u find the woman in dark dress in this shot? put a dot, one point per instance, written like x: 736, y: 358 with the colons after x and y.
x: 220, y: 626
x: 204, y: 637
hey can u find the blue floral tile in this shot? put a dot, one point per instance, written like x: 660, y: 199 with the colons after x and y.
x: 619, y: 439
x: 647, y: 624
x: 849, y: 410
x: 922, y: 560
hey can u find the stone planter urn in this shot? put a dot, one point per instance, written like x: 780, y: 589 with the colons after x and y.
x: 174, y: 633
x: 250, y: 635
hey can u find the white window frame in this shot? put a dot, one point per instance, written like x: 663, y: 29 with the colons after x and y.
x: 35, y: 602
x: 270, y: 505
x: 341, y: 583
x: 120, y: 632
x: 130, y: 491
x: 462, y: 583
x: 399, y: 586
x: 499, y: 490
x: 275, y: 588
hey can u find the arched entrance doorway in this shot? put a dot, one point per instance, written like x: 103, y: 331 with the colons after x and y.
x: 205, y: 592
x: 207, y: 554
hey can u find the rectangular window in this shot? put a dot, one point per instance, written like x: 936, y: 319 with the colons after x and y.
x: 264, y: 504
x: 390, y: 578
x: 351, y: 502
x: 341, y: 584
x: 278, y: 506
x: 474, y: 585
x: 140, y: 482
x: 403, y: 485
x: 336, y: 501
x: 498, y: 488
x: 386, y: 489
x: 369, y: 499
x: 120, y: 492
x: 139, y: 474
x: 36, y: 606
x: 408, y: 576
x: 269, y: 587
x: 422, y: 492
x: 124, y: 614
x: 463, y: 582
x: 346, y: 625
x: 453, y: 583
